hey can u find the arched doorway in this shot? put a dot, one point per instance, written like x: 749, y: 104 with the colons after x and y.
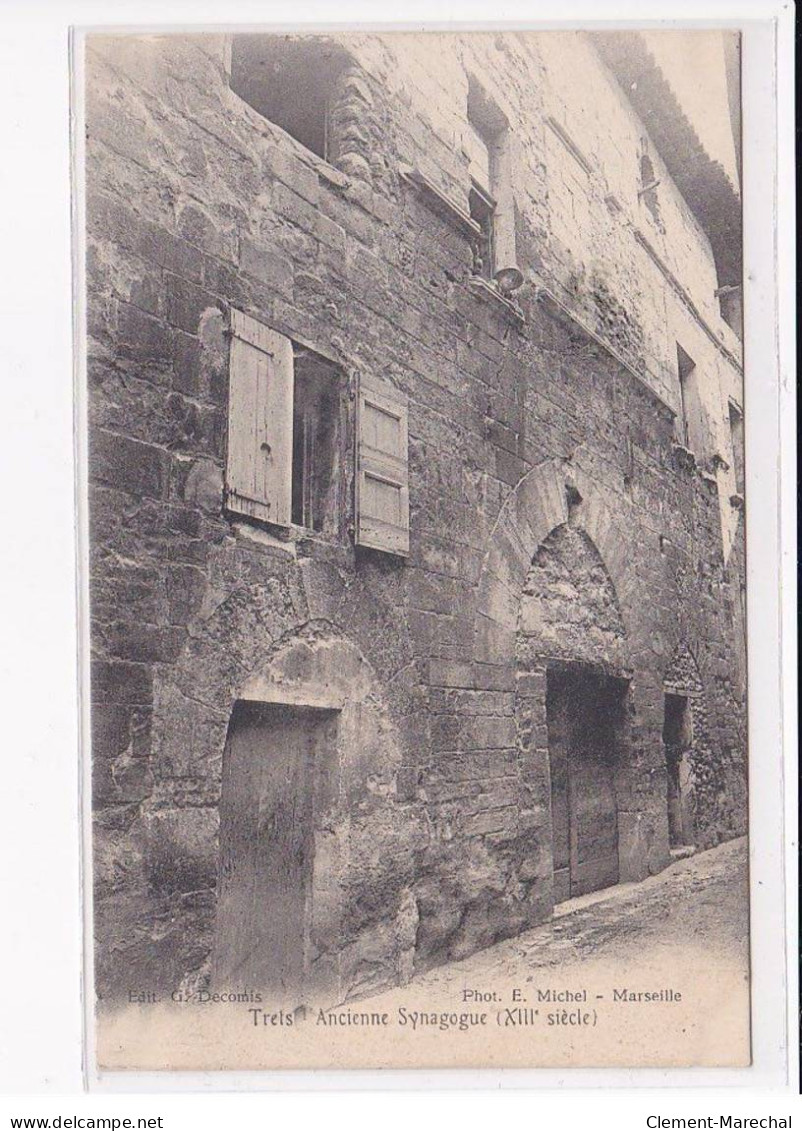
x: 570, y: 630
x: 272, y: 756
x: 310, y: 763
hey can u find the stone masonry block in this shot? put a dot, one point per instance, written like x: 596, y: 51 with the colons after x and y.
x: 494, y: 643
x: 263, y: 263
x: 494, y: 600
x: 482, y: 732
x: 140, y: 469
x: 186, y: 303
x: 450, y: 673
x: 494, y: 677
x: 120, y: 682
x: 141, y: 337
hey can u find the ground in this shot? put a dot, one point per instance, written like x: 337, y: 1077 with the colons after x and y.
x: 702, y: 899
x: 648, y: 974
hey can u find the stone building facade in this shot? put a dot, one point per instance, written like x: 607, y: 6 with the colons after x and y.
x: 416, y: 500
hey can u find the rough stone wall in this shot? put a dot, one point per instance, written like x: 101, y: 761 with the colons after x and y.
x: 195, y: 205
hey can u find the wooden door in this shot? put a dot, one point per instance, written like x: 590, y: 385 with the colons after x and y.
x: 582, y: 752
x: 266, y: 841
x: 594, y: 814
x: 558, y: 724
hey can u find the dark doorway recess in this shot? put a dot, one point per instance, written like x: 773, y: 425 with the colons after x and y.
x: 584, y: 711
x: 267, y: 848
x: 677, y: 742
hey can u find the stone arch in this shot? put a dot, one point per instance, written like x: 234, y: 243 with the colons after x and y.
x: 569, y: 608
x: 363, y: 842
x: 539, y: 503
x: 571, y: 706
x: 553, y: 495
x: 323, y: 679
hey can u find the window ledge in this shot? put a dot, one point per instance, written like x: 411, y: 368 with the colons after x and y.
x: 264, y: 534
x: 439, y: 202
x: 286, y: 539
x: 483, y: 289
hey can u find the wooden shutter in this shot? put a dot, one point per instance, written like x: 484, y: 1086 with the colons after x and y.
x: 382, y: 482
x: 259, y: 467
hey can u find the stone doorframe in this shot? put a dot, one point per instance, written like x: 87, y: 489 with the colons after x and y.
x: 549, y: 496
x: 330, y: 675
x: 683, y: 679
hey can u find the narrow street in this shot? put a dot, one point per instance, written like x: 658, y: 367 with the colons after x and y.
x: 658, y: 970
x: 699, y: 902
x: 654, y: 974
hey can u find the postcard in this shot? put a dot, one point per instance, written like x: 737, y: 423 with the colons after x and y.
x: 415, y: 417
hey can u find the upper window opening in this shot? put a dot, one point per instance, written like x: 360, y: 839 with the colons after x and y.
x: 483, y: 211
x: 291, y: 82
x: 316, y: 472
x: 691, y: 422
x: 478, y: 149
x: 731, y: 307
x: 490, y: 197
x: 737, y: 435
x: 648, y: 189
x: 286, y: 415
x: 287, y: 457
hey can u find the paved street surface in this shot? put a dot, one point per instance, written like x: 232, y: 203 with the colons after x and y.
x: 650, y: 974
x: 702, y: 901
x: 663, y: 965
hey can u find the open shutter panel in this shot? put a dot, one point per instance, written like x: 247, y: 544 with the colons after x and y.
x: 382, y: 500
x: 259, y: 469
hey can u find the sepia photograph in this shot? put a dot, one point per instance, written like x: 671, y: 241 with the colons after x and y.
x: 414, y: 408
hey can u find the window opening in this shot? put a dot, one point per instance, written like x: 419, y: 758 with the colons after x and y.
x: 483, y: 209
x: 737, y: 435
x: 291, y: 82
x: 285, y: 460
x: 490, y: 196
x: 731, y: 307
x: 315, y: 441
x: 691, y: 422
x: 648, y: 189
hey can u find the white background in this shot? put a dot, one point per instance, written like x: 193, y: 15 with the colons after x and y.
x: 40, y: 937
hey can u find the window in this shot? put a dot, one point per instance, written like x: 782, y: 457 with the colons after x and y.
x: 737, y: 434
x: 316, y: 430
x: 648, y: 190
x: 490, y: 198
x: 291, y: 82
x: 382, y: 492
x: 691, y: 420
x: 731, y: 307
x: 482, y: 209
x: 285, y: 430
